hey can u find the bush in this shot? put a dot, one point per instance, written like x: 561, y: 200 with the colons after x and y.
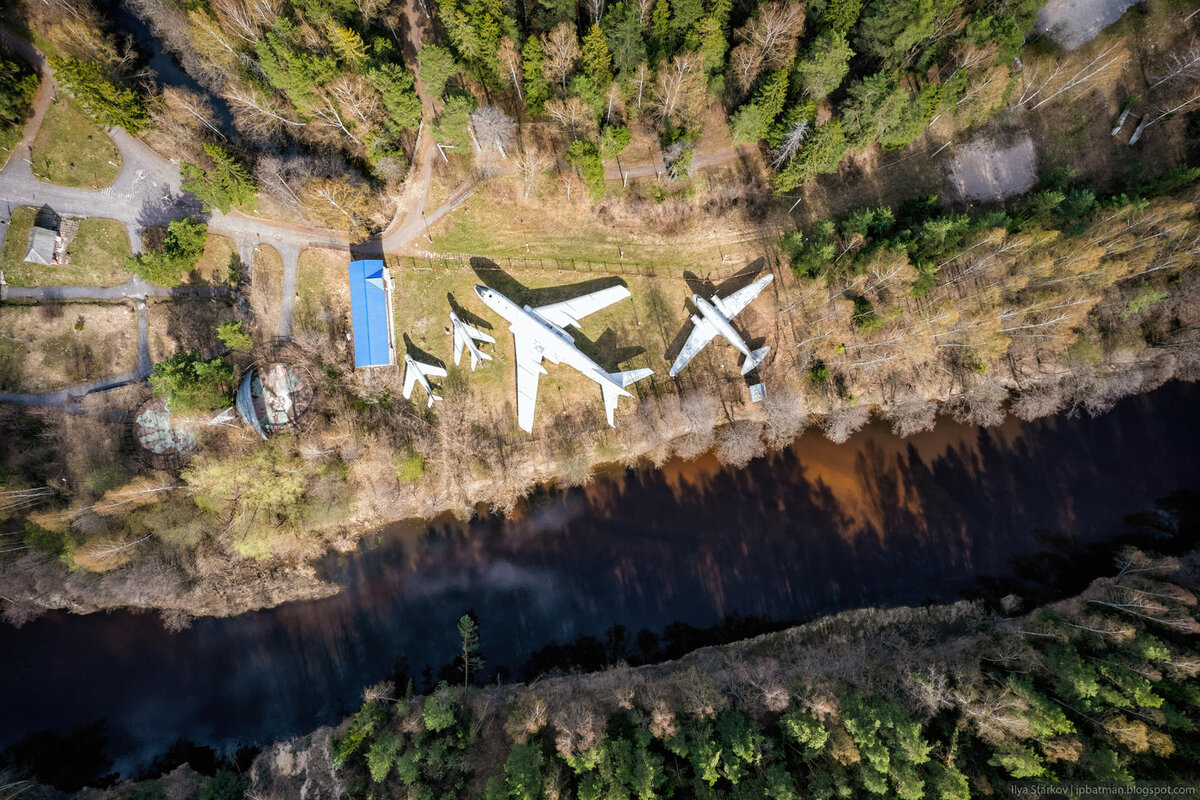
x: 583, y: 155
x: 234, y: 336
x: 192, y: 384
x: 182, y: 248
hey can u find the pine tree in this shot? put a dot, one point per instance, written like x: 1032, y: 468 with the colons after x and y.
x: 597, y: 61
x: 537, y: 88
x: 99, y: 97
x: 468, y: 632
x: 222, y: 186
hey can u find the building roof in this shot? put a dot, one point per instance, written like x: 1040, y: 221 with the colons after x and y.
x: 371, y: 313
x: 41, y: 247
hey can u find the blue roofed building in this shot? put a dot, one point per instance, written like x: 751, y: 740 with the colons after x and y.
x: 371, y: 313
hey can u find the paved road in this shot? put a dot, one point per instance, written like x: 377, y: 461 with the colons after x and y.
x: 134, y: 287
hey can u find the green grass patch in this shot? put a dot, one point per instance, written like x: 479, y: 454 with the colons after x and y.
x: 71, y: 150
x: 97, y: 254
x: 12, y: 256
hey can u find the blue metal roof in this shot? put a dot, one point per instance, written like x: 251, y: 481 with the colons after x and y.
x: 370, y: 314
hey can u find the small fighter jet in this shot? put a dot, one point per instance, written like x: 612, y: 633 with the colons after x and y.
x: 715, y: 318
x: 465, y: 337
x: 540, y: 333
x: 418, y: 372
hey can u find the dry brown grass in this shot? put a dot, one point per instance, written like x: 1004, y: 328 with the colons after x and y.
x: 323, y: 293
x: 185, y: 323
x: 266, y: 293
x: 42, y: 349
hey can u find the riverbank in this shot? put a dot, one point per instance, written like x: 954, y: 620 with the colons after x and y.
x: 950, y: 700
x: 618, y: 570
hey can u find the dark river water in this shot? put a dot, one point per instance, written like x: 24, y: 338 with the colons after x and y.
x: 816, y: 528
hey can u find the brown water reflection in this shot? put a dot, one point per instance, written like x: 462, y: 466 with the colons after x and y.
x: 815, y: 528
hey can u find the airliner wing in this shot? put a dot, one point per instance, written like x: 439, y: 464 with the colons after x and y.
x: 701, y: 335
x: 569, y: 312
x: 529, y: 367
x: 733, y: 304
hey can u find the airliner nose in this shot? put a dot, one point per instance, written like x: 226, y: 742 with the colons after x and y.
x: 481, y: 290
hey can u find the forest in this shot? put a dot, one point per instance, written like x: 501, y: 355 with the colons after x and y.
x: 888, y: 301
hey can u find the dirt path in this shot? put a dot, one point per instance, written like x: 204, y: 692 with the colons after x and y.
x: 616, y: 171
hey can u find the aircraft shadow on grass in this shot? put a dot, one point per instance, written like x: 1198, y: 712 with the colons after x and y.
x: 604, y: 350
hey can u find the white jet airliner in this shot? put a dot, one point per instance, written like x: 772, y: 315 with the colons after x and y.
x: 465, y: 337
x: 540, y: 333
x: 417, y: 372
x: 714, y: 318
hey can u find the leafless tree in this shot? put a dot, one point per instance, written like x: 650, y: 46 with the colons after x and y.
x: 510, y: 61
x: 531, y: 162
x: 981, y: 405
x: 1061, y: 80
x: 562, y: 52
x: 840, y: 423
x: 639, y: 80
x: 246, y: 19
x: 911, y: 414
x: 573, y: 115
x: 768, y: 41
x: 790, y: 145
x: 493, y: 130
x: 1181, y: 67
x: 739, y: 442
x: 644, y: 9
x: 596, y: 10
x: 256, y: 114
x: 679, y: 93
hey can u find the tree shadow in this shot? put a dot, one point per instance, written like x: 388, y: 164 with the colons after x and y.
x: 424, y: 356
x: 171, y: 206
x: 492, y: 276
x: 371, y: 250
x: 467, y: 316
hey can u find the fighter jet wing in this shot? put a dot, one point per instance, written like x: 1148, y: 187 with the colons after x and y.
x: 701, y: 335
x: 529, y: 367
x: 476, y: 334
x: 430, y: 369
x: 569, y: 312
x: 735, y: 302
x: 410, y: 380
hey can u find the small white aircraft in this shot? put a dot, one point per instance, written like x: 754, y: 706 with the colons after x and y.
x: 465, y: 337
x: 540, y: 333
x: 417, y: 372
x: 715, y: 318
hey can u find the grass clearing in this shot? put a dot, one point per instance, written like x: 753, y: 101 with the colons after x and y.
x: 638, y: 332
x: 71, y: 150
x: 218, y: 264
x: 97, y: 254
x: 185, y: 323
x: 494, y: 223
x: 55, y: 345
x: 323, y: 293
x: 266, y: 294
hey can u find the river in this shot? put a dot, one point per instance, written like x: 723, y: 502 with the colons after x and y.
x: 810, y: 530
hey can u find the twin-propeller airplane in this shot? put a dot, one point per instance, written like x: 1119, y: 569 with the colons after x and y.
x: 540, y: 334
